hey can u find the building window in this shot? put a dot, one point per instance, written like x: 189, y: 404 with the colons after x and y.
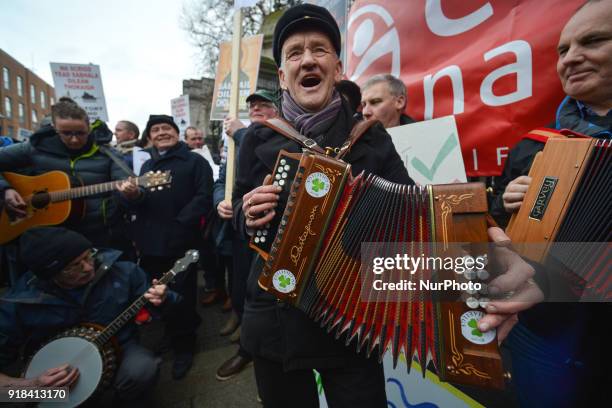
x: 19, y: 85
x: 6, y: 78
x: 21, y: 113
x: 34, y: 117
x: 8, y: 108
x: 32, y: 93
x: 43, y: 99
x: 51, y: 101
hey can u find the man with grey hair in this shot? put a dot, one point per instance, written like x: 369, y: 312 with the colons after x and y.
x: 384, y: 98
x: 126, y: 133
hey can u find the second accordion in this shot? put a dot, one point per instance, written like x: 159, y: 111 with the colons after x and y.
x: 314, y: 260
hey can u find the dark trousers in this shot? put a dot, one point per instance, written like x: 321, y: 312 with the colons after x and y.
x: 344, y: 387
x: 181, y: 318
x: 242, y: 258
x: 137, y: 374
x: 214, y: 272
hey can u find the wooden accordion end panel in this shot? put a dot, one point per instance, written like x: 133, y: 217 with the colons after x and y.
x: 460, y: 217
x: 332, y: 228
x: 556, y: 173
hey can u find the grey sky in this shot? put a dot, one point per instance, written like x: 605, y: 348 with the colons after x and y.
x: 143, y: 53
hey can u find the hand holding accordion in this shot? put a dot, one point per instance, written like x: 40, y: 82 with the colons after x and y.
x: 316, y: 260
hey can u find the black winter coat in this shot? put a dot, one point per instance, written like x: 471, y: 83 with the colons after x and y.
x: 168, y: 221
x: 272, y: 329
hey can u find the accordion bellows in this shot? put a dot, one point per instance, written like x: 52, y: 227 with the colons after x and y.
x: 315, y: 259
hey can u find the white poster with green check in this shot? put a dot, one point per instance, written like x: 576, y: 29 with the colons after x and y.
x: 430, y: 151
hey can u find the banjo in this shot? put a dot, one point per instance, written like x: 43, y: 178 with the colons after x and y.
x: 92, y: 348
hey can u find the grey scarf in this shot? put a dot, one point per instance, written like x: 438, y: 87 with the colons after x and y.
x: 311, y: 124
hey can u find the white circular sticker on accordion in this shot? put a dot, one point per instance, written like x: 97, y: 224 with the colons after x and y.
x: 469, y: 328
x: 317, y: 184
x: 283, y: 281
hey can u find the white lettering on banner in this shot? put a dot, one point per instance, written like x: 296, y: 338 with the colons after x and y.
x: 501, y: 155
x: 365, y: 33
x: 443, y: 26
x: 522, y: 68
x: 475, y: 158
x: 454, y: 73
x: 364, y: 36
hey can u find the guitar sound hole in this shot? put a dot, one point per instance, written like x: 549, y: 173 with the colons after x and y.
x: 40, y: 200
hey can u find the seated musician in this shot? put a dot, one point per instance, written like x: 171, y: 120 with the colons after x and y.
x: 67, y: 146
x: 556, y: 348
x: 285, y: 343
x: 68, y: 283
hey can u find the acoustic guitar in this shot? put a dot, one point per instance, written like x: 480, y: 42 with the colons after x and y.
x: 51, y: 200
x: 91, y: 349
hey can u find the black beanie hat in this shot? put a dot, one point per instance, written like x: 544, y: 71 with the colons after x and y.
x: 157, y: 119
x: 47, y: 250
x: 307, y: 16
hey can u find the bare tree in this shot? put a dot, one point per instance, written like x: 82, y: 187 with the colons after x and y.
x: 209, y: 22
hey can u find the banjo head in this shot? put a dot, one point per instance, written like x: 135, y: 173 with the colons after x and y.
x: 77, y: 352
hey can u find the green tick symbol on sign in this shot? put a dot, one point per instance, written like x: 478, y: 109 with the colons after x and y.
x: 429, y: 172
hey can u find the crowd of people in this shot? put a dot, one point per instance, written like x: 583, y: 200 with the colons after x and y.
x: 92, y: 267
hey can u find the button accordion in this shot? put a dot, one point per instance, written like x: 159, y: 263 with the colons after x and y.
x: 567, y: 213
x: 313, y: 260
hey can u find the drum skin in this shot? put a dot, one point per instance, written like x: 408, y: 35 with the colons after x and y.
x: 75, y: 347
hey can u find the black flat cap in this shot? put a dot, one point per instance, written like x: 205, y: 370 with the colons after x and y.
x: 305, y: 16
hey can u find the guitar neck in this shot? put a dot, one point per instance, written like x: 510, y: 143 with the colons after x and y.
x: 79, y: 192
x: 128, y: 314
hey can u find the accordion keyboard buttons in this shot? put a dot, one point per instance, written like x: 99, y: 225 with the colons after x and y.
x: 472, y: 302
x: 484, y: 259
x: 482, y: 274
x: 484, y: 302
x: 470, y: 274
x: 468, y: 259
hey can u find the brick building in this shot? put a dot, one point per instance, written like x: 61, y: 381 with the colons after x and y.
x: 25, y: 99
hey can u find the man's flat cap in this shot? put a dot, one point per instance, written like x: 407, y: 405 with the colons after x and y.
x: 304, y: 17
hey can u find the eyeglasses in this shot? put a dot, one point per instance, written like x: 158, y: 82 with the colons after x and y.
x: 298, y: 53
x: 76, y: 268
x: 77, y: 134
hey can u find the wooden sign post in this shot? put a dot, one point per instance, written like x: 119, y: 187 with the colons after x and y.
x: 234, y: 102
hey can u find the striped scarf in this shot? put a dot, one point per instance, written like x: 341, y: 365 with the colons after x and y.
x: 311, y: 124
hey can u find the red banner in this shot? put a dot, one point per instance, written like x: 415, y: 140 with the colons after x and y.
x: 490, y: 63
